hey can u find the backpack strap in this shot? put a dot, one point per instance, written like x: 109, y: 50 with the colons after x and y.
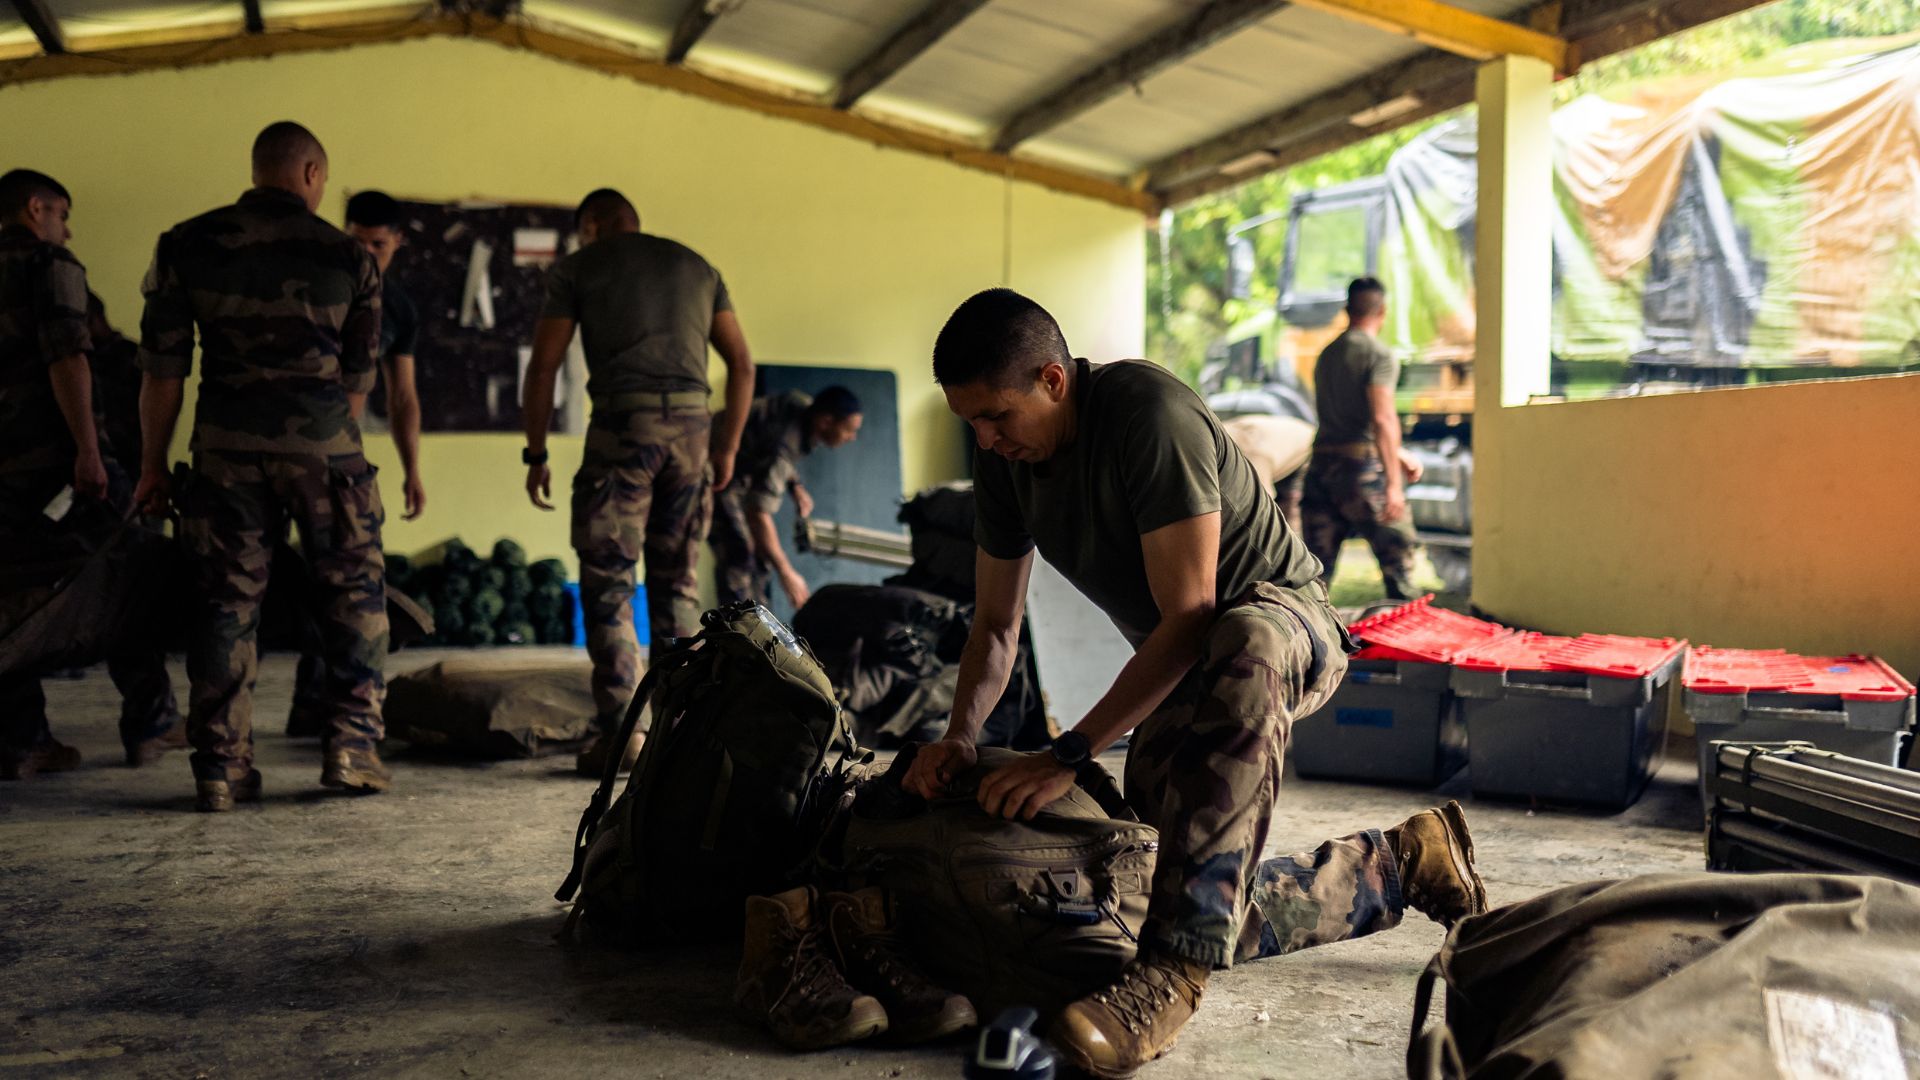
x: 1431, y: 1055
x: 603, y: 793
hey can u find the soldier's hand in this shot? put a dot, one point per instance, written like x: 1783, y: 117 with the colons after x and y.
x: 796, y: 587
x: 937, y: 765
x: 802, y: 502
x: 90, y: 475
x: 722, y: 463
x: 1025, y: 787
x: 416, y: 495
x: 540, y: 486
x: 1411, y: 467
x: 153, y: 493
x: 1396, y: 505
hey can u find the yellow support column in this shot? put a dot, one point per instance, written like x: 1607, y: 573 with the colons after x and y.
x: 1513, y: 285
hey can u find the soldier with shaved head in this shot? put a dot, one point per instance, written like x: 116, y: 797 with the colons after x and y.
x: 646, y: 308
x: 287, y: 308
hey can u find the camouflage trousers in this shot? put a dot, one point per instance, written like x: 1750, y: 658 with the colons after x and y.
x: 643, y: 489
x: 1204, y: 769
x: 738, y: 571
x: 1344, y: 497
x: 237, y: 507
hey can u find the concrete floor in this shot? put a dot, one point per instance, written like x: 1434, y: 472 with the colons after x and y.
x: 412, y: 934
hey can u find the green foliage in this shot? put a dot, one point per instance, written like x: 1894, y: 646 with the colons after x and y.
x: 1189, y: 308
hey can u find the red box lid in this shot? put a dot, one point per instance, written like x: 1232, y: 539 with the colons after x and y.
x: 1739, y: 671
x: 1420, y: 632
x: 1612, y: 655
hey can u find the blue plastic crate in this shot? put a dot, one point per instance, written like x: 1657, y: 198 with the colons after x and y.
x: 641, y: 627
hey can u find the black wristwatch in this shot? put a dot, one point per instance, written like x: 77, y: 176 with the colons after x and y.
x: 1072, y: 750
x: 528, y: 457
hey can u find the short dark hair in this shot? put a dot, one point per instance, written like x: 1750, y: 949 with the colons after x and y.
x: 284, y: 144
x: 997, y: 336
x: 837, y: 402
x: 373, y: 209
x: 21, y: 186
x: 1366, y: 297
x: 605, y: 206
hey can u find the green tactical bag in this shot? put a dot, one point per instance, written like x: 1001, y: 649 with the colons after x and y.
x: 1037, y: 913
x: 748, y: 754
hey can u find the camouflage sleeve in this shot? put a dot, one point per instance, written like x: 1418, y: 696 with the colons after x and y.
x: 166, y: 324
x: 360, y: 333
x: 60, y: 305
x: 765, y: 493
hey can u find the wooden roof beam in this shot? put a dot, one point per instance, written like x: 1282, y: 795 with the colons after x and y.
x: 906, y: 44
x: 1453, y: 29
x: 1213, y: 23
x: 44, y: 25
x: 695, y: 20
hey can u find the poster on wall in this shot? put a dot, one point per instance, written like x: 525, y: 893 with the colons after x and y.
x: 476, y: 271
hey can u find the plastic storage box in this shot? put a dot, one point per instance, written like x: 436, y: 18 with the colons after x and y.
x: 1851, y: 705
x: 1393, y: 719
x: 1575, y: 720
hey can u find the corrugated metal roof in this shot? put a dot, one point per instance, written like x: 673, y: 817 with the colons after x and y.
x: 1000, y: 59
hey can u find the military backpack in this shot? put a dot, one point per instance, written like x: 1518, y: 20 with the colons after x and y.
x: 747, y: 755
x: 1035, y: 913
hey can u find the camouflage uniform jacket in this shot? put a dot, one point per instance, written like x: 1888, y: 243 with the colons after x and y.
x: 288, y: 310
x: 43, y: 319
x: 774, y: 441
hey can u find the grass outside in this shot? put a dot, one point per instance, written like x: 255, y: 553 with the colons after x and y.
x: 1356, y: 578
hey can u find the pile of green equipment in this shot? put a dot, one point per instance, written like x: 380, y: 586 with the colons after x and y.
x: 499, y: 600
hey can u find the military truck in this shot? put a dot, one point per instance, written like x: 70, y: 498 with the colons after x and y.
x: 1757, y: 226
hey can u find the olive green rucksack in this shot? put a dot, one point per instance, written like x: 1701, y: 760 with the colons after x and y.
x: 1037, y: 913
x: 748, y: 754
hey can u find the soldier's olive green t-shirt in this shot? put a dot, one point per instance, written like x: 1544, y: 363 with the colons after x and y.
x: 1349, y: 365
x: 771, y: 446
x: 1146, y: 453
x: 645, y: 306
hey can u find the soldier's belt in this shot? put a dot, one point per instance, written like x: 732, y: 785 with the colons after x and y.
x: 679, y: 399
x: 1357, y: 450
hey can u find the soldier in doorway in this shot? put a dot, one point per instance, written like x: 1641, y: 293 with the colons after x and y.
x: 1355, y: 484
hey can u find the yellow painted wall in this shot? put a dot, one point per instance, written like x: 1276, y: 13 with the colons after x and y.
x: 1763, y: 517
x: 836, y: 252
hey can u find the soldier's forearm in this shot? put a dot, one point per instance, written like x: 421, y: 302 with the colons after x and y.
x: 159, y: 411
x: 72, y: 380
x: 766, y: 541
x: 1147, y: 678
x: 985, y: 666
x: 403, y: 413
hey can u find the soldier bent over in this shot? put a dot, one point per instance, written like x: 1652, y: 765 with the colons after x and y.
x: 646, y: 307
x: 781, y: 429
x: 288, y: 311
x: 1122, y: 479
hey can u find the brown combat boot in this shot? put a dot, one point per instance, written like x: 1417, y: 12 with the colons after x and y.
x: 860, y: 930
x: 1112, y: 1033
x: 355, y: 768
x: 593, y: 760
x: 46, y: 756
x: 219, y: 796
x: 1434, y: 852
x: 148, y: 751
x: 789, y: 983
